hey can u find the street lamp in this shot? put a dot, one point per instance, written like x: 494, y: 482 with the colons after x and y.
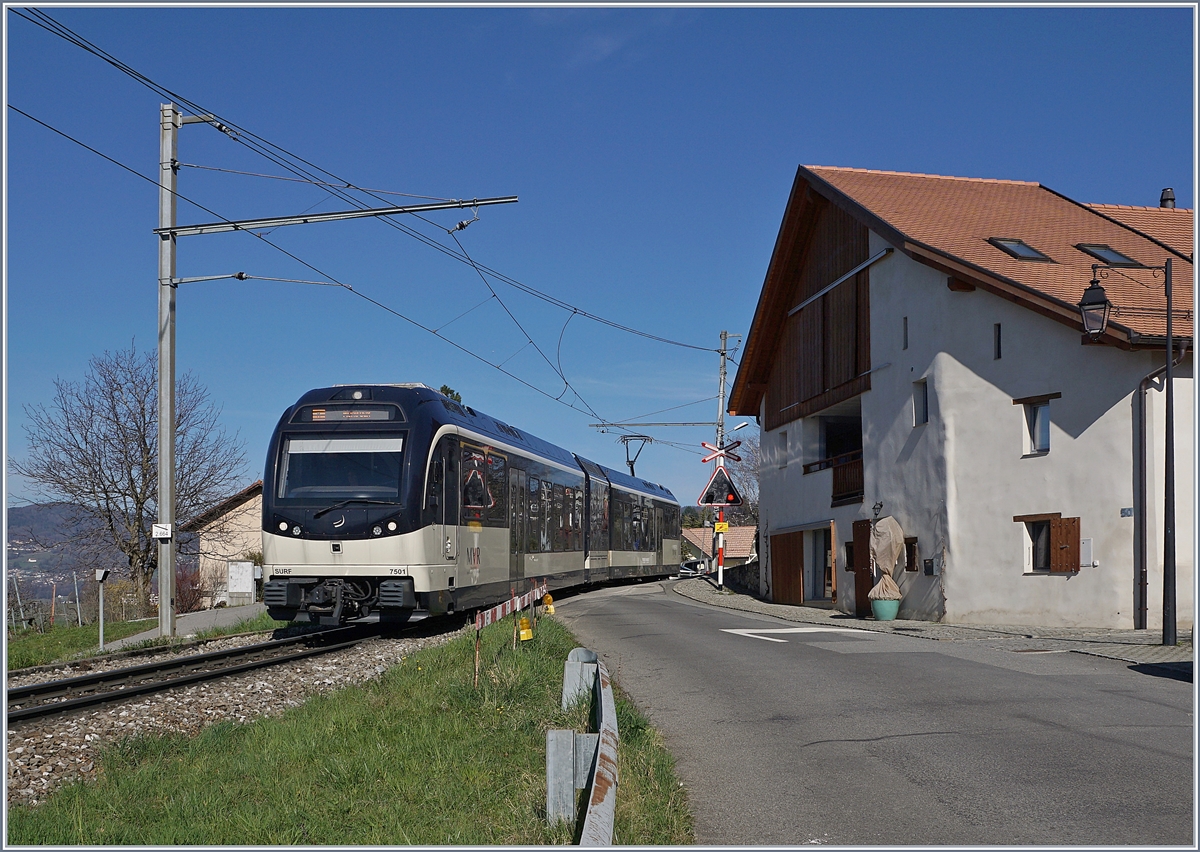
x: 1094, y: 310
x: 1095, y: 307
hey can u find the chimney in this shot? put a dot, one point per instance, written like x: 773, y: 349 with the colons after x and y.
x: 1168, y: 198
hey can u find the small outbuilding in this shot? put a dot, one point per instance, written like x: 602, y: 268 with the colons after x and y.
x: 228, y: 532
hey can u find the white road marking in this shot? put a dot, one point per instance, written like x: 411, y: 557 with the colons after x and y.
x: 753, y: 634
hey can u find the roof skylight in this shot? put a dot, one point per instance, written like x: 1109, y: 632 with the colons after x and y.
x: 1019, y: 249
x: 1106, y: 254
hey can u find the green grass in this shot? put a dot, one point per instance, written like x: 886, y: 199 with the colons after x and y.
x: 29, y: 648
x: 62, y: 644
x: 416, y: 757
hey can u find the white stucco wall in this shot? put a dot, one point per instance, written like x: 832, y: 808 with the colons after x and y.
x: 975, y: 445
x: 957, y: 481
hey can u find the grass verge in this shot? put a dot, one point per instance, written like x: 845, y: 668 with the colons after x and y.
x: 29, y: 648
x: 417, y: 757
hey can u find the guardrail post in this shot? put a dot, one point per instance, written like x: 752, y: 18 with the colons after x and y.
x: 560, y: 776
x: 585, y: 761
x: 585, y: 758
x: 579, y: 676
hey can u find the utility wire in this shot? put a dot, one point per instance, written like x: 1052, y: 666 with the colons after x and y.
x: 268, y: 150
x: 333, y: 280
x: 309, y: 181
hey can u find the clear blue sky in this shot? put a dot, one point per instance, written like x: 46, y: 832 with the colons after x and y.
x: 652, y: 151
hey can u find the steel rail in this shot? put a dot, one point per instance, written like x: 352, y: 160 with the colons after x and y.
x: 37, y: 700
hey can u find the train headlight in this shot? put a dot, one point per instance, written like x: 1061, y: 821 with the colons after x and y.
x: 283, y: 525
x: 296, y: 530
x: 391, y: 526
x: 377, y: 530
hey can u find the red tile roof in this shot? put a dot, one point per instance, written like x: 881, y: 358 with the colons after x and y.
x: 1173, y: 226
x: 226, y: 506
x: 945, y: 222
x: 739, y: 541
x: 953, y: 218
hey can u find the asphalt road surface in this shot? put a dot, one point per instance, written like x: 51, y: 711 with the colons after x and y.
x: 859, y: 738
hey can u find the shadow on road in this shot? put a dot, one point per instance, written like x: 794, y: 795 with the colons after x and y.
x: 1174, y: 671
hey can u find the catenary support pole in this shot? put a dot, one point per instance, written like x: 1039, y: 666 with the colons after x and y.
x: 169, y: 123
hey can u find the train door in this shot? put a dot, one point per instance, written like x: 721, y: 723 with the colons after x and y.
x: 517, y: 516
x: 659, y: 532
x: 444, y: 494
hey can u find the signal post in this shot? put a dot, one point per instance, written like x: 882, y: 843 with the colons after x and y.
x: 720, y: 492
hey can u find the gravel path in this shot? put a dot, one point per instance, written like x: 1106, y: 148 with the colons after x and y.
x: 44, y: 756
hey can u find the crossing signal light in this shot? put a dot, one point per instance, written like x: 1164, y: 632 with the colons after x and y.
x: 720, y: 491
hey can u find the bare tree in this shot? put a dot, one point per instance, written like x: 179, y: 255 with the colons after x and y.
x: 95, y: 446
x: 745, y: 476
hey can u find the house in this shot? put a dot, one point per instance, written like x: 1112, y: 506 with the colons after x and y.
x: 228, y: 532
x: 739, y: 545
x: 917, y: 349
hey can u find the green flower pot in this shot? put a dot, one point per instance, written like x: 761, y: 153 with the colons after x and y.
x: 885, y: 610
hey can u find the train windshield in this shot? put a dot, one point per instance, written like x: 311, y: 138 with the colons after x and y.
x: 341, y: 468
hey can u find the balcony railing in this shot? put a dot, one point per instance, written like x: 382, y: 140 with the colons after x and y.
x: 847, y: 476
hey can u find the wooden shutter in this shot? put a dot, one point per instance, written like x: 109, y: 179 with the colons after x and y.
x: 1064, y: 545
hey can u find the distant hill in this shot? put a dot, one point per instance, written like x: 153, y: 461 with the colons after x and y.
x: 40, y: 551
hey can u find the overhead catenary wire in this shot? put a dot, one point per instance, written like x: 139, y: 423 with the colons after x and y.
x: 268, y: 150
x: 333, y: 281
x: 276, y: 153
x: 310, y: 181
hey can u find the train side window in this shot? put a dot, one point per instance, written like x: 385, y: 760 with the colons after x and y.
x: 565, y: 499
x: 433, y: 487
x: 532, y: 540
x: 497, y: 476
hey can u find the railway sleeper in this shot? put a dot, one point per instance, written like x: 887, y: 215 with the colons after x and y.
x: 332, y: 600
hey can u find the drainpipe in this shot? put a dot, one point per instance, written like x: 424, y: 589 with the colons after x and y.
x: 1140, y: 556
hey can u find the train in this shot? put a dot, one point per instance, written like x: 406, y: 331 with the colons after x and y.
x: 383, y: 499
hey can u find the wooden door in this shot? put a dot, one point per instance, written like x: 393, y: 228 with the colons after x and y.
x: 787, y: 568
x: 862, y: 568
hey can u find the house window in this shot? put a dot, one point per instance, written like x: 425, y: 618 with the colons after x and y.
x: 905, y: 336
x: 920, y: 403
x: 1051, y: 543
x: 996, y: 342
x: 783, y: 449
x: 1019, y: 249
x: 1036, y: 436
x: 910, y: 554
x: 1106, y: 254
x: 1038, y: 533
x: 1037, y: 424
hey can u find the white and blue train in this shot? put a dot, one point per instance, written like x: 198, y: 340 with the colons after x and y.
x: 384, y: 499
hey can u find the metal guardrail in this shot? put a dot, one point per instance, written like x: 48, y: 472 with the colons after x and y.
x: 585, y: 761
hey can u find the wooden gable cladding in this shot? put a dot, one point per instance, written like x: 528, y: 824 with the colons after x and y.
x: 824, y: 350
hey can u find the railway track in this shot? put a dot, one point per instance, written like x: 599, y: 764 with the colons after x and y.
x: 51, y: 698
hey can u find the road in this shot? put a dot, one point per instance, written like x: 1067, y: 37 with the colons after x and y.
x: 863, y: 738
